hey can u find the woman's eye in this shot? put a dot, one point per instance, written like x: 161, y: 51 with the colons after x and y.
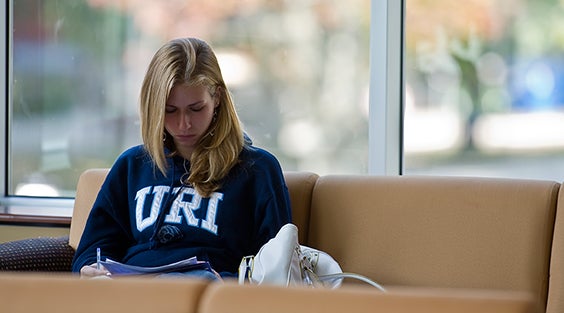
x: 197, y: 109
x: 170, y: 109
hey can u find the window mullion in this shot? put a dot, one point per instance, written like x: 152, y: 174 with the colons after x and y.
x: 4, y: 95
x: 386, y: 87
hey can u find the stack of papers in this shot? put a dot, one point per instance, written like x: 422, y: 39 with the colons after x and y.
x: 117, y: 268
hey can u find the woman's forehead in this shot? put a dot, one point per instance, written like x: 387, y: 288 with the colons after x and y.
x: 188, y: 93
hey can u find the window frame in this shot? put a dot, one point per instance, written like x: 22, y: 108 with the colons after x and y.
x: 4, y: 93
x: 16, y: 209
x: 385, y: 109
x: 385, y: 126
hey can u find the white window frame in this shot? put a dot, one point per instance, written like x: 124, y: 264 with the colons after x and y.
x: 4, y: 93
x: 386, y: 87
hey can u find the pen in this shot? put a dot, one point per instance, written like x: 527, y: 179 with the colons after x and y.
x: 98, y: 256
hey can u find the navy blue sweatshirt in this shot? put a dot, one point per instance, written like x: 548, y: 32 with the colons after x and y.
x: 236, y: 220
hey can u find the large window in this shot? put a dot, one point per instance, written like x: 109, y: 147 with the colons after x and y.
x: 298, y: 71
x: 484, y: 88
x: 328, y: 86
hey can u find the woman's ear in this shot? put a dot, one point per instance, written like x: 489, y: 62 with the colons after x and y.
x: 217, y: 96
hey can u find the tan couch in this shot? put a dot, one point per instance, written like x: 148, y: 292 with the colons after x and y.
x: 423, y: 232
x: 260, y: 299
x: 66, y: 293
x: 70, y: 294
x: 441, y: 231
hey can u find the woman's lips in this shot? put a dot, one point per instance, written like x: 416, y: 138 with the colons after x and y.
x: 185, y: 137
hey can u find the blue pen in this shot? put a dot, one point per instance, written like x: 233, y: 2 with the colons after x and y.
x: 98, y: 257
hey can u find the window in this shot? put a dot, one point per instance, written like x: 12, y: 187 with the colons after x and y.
x: 484, y: 88
x: 472, y: 90
x: 298, y: 71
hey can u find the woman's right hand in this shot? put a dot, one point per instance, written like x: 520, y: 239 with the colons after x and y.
x: 92, y: 271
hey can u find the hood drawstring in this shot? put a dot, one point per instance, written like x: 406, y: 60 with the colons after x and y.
x: 164, y: 234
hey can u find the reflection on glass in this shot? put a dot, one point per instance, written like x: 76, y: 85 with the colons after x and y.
x: 484, y: 88
x: 298, y: 72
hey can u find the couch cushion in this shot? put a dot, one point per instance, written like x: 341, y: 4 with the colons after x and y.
x: 66, y: 293
x: 87, y: 189
x: 300, y: 187
x: 221, y: 298
x: 556, y: 291
x: 438, y: 231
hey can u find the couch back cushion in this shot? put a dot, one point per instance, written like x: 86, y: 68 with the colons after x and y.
x: 438, y: 231
x: 300, y: 187
x: 87, y: 189
x: 556, y: 283
x: 49, y: 293
x: 233, y: 298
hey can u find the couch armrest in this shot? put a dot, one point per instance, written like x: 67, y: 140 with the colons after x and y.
x: 48, y: 254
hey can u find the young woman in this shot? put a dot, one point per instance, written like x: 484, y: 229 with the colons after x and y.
x: 197, y: 187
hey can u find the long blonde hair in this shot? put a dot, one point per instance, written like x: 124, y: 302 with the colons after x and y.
x: 190, y: 61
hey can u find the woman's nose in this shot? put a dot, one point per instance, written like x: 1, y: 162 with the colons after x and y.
x: 185, y: 121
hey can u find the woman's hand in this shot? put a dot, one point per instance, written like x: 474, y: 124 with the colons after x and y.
x: 92, y: 271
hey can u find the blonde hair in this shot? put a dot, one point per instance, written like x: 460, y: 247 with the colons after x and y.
x: 192, y: 62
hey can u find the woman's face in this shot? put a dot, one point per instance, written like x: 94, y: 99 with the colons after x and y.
x: 188, y: 114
